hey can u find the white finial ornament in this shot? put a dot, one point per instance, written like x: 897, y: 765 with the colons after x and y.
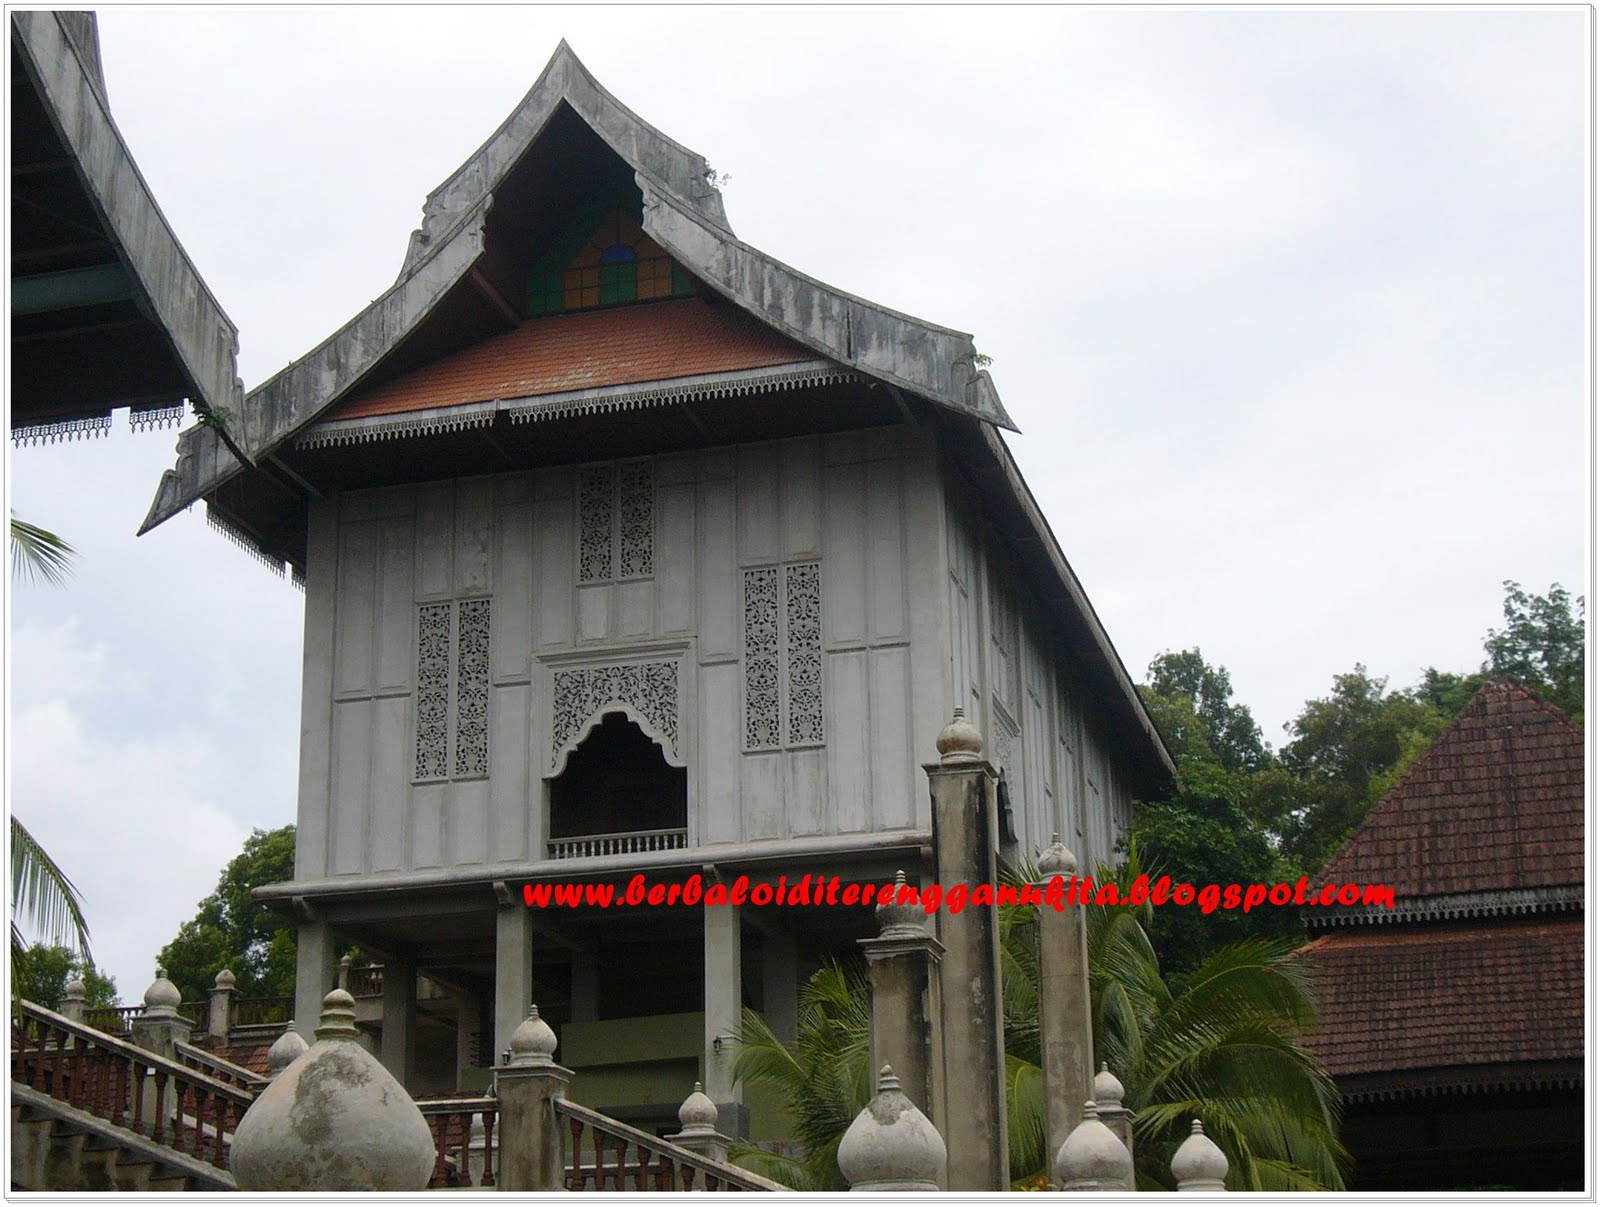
x: 225, y: 980
x: 896, y: 921
x: 285, y: 1050
x: 162, y: 998
x: 533, y: 1042
x: 333, y: 1120
x: 1056, y: 860
x: 698, y: 1114
x: 1199, y: 1166
x: 1092, y: 1158
x: 960, y: 741
x: 1108, y: 1090
x: 891, y: 1145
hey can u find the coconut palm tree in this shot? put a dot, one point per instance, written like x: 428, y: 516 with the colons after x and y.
x: 41, y: 893
x: 1226, y: 1050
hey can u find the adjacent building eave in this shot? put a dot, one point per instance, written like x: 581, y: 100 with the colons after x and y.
x: 204, y: 340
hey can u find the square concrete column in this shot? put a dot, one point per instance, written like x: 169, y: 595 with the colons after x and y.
x: 901, y: 962
x: 469, y: 1018
x: 397, y: 1049
x: 724, y: 1003
x: 585, y: 985
x: 1066, y: 1026
x: 780, y: 985
x: 962, y: 785
x: 315, y: 974
x: 513, y: 972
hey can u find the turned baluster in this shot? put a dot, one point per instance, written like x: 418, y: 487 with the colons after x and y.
x: 713, y: 1183
x: 663, y: 1171
x: 575, y: 1181
x: 136, y: 1068
x: 158, y: 1107
x: 58, y: 1068
x: 218, y: 1117
x: 599, y: 1159
x: 488, y: 1148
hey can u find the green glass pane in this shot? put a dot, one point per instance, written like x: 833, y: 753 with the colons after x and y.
x: 682, y: 282
x: 619, y: 283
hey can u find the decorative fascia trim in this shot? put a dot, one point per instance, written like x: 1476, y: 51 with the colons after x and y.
x: 648, y: 683
x: 201, y: 334
x: 598, y: 400
x: 1402, y: 1084
x: 934, y: 362
x: 1451, y: 907
x: 66, y: 430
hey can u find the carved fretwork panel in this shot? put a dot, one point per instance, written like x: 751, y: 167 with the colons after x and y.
x: 648, y: 690
x: 783, y: 656
x: 616, y: 522
x: 452, y: 668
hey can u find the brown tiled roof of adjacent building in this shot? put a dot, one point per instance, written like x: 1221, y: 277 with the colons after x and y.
x: 1399, y: 999
x: 1495, y: 803
x: 658, y: 341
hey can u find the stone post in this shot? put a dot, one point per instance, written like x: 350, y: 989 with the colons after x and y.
x: 1066, y: 1033
x: 1093, y: 1160
x: 1108, y: 1093
x: 900, y: 962
x: 891, y: 1145
x: 397, y: 1047
x: 159, y: 1028
x: 698, y: 1119
x: 75, y: 1002
x: 531, y: 1153
x: 513, y: 972
x: 314, y: 966
x: 964, y: 833
x: 220, y: 1020
x: 1199, y: 1166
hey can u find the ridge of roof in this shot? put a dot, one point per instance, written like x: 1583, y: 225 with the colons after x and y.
x: 1495, y: 803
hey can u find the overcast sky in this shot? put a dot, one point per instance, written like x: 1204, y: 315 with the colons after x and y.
x: 1289, y: 306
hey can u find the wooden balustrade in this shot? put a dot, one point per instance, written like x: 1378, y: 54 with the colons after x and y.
x: 172, y: 1104
x: 460, y: 1157
x: 113, y: 1020
x: 637, y: 842
x: 260, y: 1011
x: 212, y: 1065
x: 623, y: 1158
x: 366, y: 982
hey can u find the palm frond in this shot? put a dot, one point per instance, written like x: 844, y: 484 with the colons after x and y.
x: 42, y: 894
x: 38, y: 555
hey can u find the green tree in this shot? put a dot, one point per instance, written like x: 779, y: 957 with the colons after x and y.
x: 1225, y: 1049
x: 1229, y: 734
x: 44, y: 971
x: 1541, y: 645
x: 231, y: 930
x: 1349, y: 748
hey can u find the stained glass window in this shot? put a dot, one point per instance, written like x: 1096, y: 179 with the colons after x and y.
x: 604, y: 259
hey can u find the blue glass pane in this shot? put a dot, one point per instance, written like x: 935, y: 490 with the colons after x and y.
x: 617, y: 254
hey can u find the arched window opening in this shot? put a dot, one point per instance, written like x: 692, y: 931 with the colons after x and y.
x: 617, y: 796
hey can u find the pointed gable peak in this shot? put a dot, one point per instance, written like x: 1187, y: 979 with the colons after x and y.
x: 1495, y: 804
x: 665, y: 165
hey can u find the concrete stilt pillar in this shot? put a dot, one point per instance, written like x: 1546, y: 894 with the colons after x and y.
x: 529, y: 1142
x: 724, y: 1005
x: 513, y: 972
x: 397, y: 1049
x: 964, y: 842
x: 316, y: 958
x: 585, y: 985
x: 1066, y: 1031
x: 900, y: 963
x: 780, y: 985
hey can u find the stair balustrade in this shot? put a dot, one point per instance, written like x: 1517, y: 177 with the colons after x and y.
x: 458, y: 1161
x: 627, y: 1159
x: 180, y: 1107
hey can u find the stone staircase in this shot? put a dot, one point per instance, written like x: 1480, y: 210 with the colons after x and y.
x: 57, y: 1147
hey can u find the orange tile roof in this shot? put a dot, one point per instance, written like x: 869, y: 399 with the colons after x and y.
x: 627, y: 345
x: 1495, y: 803
x: 1411, y: 998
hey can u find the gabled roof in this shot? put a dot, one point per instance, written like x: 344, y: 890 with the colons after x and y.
x: 1450, y: 1007
x: 682, y: 212
x: 107, y: 309
x: 1494, y: 806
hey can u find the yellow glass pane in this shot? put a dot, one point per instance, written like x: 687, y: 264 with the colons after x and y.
x: 590, y: 255
x: 572, y: 299
x: 591, y: 297
x: 591, y: 278
x: 572, y: 279
x: 650, y: 289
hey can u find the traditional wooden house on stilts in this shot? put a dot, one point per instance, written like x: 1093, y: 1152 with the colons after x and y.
x: 628, y: 549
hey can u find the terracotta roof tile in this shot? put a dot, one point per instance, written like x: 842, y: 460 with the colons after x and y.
x: 623, y: 346
x: 1495, y: 803
x: 1404, y: 998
